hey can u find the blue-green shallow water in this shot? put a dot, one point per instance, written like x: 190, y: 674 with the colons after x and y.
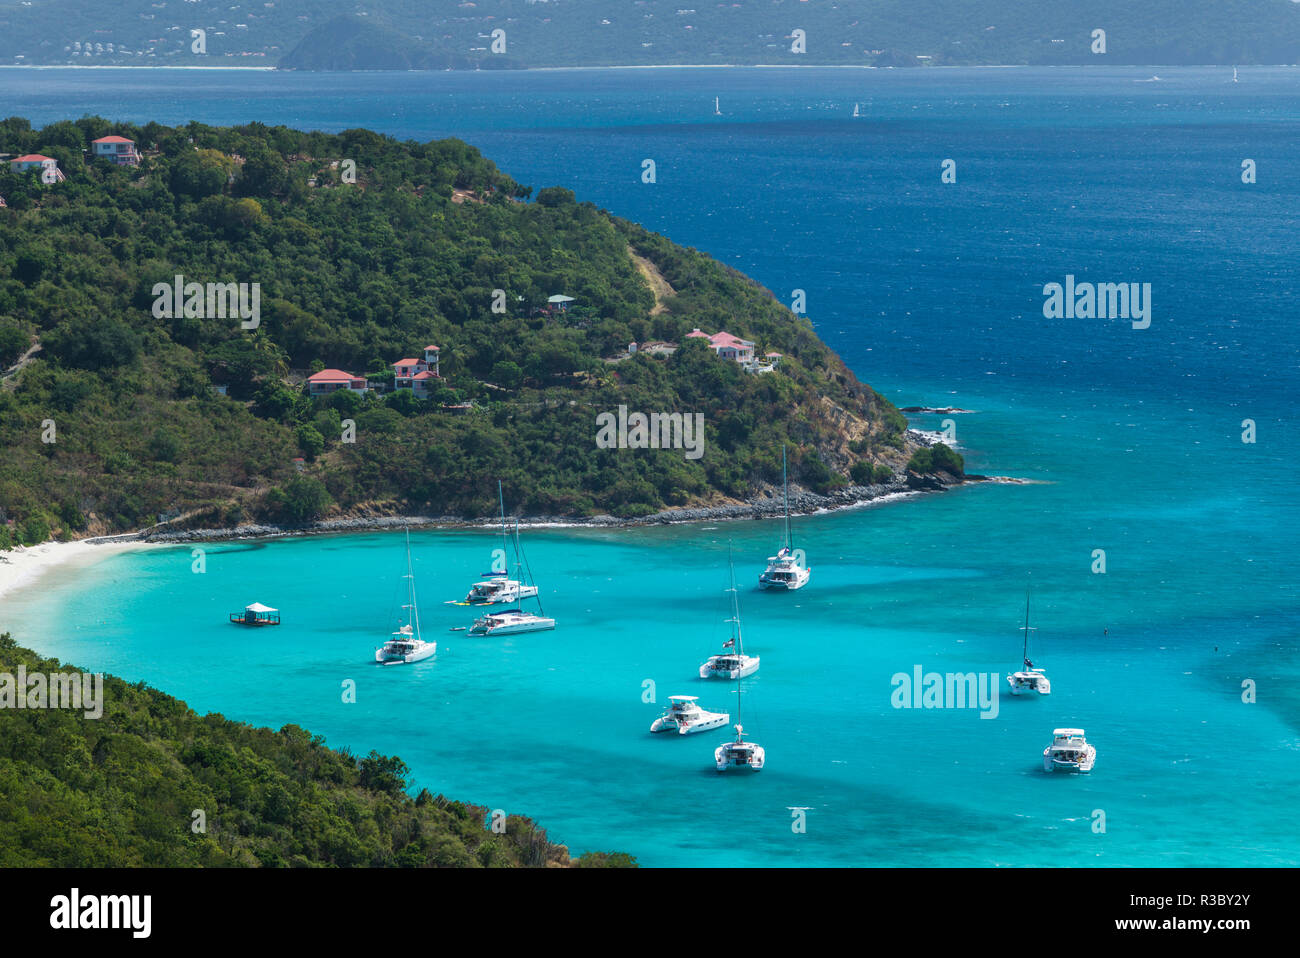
x: 932, y: 294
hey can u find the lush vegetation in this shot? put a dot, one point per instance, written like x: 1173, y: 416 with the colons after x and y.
x: 117, y: 419
x: 937, y: 458
x: 122, y: 790
x: 403, y: 34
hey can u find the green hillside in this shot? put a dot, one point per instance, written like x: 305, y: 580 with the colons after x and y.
x: 121, y: 790
x: 112, y: 414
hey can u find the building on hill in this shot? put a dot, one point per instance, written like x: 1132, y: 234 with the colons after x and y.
x: 416, y: 374
x: 726, y: 345
x: 35, y: 161
x: 331, y: 380
x: 116, y: 149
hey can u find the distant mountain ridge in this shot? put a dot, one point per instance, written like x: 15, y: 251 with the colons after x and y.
x: 411, y: 34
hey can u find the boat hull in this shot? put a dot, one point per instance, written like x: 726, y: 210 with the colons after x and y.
x: 749, y: 668
x: 1020, y: 686
x: 1084, y: 765
x: 753, y: 759
x: 711, y: 721
x: 799, y: 580
x: 515, y: 628
x: 406, y: 658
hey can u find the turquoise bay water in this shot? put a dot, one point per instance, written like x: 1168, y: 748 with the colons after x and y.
x: 932, y: 294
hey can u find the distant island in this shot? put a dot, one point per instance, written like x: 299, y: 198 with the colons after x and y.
x: 211, y: 328
x: 513, y: 34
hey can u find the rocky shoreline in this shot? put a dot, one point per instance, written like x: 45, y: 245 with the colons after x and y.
x: 766, y: 506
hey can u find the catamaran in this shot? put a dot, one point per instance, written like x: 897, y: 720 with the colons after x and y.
x: 516, y: 620
x: 733, y: 664
x: 498, y: 587
x: 785, y: 570
x: 684, y: 716
x: 739, y: 754
x: 406, y: 645
x: 1028, y: 679
x: 1069, y: 752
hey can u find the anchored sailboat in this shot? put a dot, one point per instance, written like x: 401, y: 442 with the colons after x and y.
x: 785, y: 570
x: 1028, y: 679
x: 498, y: 587
x: 739, y: 754
x: 717, y: 111
x: 511, y: 621
x: 406, y: 645
x: 732, y: 663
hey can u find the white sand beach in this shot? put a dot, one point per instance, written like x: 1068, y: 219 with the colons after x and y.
x: 21, y: 568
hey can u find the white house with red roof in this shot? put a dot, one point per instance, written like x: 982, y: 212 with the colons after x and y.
x: 417, y: 374
x: 118, y: 149
x: 35, y: 161
x: 331, y: 380
x: 726, y: 345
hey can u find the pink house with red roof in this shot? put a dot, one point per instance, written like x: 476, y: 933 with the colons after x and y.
x: 118, y: 149
x: 331, y: 380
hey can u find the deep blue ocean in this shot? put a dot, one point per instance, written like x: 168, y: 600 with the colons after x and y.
x: 933, y: 294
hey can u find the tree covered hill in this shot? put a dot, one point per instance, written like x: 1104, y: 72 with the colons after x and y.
x: 112, y: 414
x: 121, y: 791
x: 416, y: 34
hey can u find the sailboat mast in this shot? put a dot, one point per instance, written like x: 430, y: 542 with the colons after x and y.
x: 785, y: 485
x: 1024, y: 652
x: 410, y: 586
x: 735, y: 606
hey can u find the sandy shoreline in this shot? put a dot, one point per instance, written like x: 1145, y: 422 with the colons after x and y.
x: 23, y: 569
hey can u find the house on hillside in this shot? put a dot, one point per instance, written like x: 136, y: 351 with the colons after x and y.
x: 416, y: 374
x: 35, y: 161
x: 116, y: 149
x: 726, y: 345
x: 331, y: 380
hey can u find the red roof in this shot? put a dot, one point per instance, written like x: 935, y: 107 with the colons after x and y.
x: 424, y: 375
x: 31, y: 158
x: 113, y: 139
x: 409, y: 362
x: 431, y: 349
x: 331, y: 376
x: 725, y: 338
x: 696, y: 334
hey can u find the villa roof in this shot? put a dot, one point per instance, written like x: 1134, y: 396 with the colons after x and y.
x: 696, y: 334
x: 31, y: 158
x: 113, y: 139
x: 724, y: 338
x: 426, y: 374
x: 433, y: 349
x: 331, y: 376
x: 408, y: 362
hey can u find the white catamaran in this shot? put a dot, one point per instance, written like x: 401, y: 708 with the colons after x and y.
x: 684, y: 716
x: 739, y: 754
x: 732, y: 663
x: 1028, y: 679
x: 1069, y: 752
x: 515, y: 620
x: 498, y: 587
x: 406, y: 645
x: 786, y: 569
